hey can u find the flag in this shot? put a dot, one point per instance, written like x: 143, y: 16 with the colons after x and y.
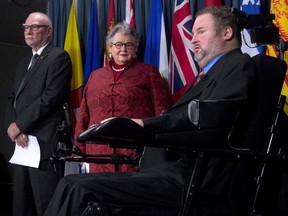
x: 212, y: 3
x: 250, y: 7
x: 280, y: 8
x: 92, y: 56
x: 182, y: 65
x: 130, y: 17
x: 156, y: 45
x: 72, y: 46
x: 110, y: 25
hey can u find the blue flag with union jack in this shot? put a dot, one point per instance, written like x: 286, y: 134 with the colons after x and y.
x: 183, y: 68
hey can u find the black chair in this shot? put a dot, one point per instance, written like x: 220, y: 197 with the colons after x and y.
x: 243, y: 155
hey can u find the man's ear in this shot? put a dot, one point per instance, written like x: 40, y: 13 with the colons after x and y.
x: 50, y: 31
x: 227, y: 33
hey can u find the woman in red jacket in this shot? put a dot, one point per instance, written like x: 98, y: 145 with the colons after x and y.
x: 125, y: 88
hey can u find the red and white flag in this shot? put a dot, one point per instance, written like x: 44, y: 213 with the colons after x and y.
x: 130, y: 17
x: 182, y: 65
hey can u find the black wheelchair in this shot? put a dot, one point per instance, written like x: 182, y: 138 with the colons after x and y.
x: 264, y: 155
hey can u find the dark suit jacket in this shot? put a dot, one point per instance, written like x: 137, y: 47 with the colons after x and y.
x: 39, y: 102
x: 233, y: 76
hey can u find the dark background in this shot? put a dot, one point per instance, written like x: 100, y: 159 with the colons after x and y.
x: 13, y: 14
x: 12, y: 48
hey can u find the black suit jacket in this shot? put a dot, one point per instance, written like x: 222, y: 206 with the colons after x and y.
x: 39, y: 102
x: 233, y: 76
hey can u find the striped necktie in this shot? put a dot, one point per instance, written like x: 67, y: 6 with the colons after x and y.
x: 199, y: 77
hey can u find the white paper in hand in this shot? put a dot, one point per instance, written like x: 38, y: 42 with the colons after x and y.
x: 29, y: 156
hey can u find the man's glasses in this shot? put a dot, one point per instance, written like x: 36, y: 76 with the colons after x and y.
x: 33, y: 27
x: 128, y: 45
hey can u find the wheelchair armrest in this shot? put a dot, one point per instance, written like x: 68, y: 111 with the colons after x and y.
x: 115, y: 130
x: 195, y: 139
x: 207, y: 114
x: 213, y: 118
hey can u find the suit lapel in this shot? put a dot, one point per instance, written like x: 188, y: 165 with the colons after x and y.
x: 41, y: 58
x: 190, y: 94
x: 36, y: 65
x: 210, y: 77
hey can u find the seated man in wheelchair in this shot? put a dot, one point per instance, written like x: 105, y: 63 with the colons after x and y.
x: 159, y: 187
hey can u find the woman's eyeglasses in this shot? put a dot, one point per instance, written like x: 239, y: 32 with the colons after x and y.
x: 128, y: 45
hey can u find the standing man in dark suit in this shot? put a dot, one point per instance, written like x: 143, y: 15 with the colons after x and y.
x: 159, y: 187
x: 35, y: 108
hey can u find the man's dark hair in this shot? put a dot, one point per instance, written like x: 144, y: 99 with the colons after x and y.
x: 223, y: 17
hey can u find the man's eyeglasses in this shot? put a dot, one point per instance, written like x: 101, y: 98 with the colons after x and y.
x: 33, y: 27
x: 128, y: 45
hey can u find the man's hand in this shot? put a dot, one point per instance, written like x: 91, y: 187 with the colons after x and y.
x: 15, y: 135
x: 13, y: 131
x: 138, y: 121
x: 22, y: 140
x: 107, y: 119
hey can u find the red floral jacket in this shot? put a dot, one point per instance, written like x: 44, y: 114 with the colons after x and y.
x: 139, y: 92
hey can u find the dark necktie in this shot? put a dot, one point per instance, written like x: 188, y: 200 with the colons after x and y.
x: 199, y: 77
x: 33, y: 60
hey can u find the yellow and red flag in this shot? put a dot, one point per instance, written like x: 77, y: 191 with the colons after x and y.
x: 111, y: 23
x: 72, y: 46
x: 280, y: 9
